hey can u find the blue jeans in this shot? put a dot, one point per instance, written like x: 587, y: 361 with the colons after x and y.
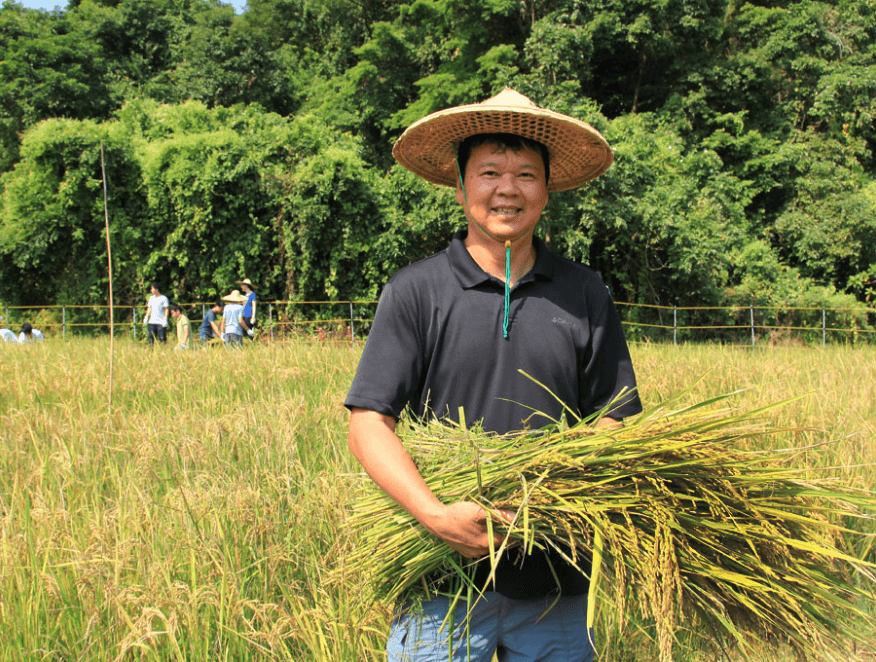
x: 515, y: 630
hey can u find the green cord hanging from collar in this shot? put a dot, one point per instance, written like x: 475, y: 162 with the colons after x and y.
x: 507, y: 287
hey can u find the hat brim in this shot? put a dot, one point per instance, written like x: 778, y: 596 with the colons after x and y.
x: 578, y: 152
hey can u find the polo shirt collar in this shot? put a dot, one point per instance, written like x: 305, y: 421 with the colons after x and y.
x: 470, y: 275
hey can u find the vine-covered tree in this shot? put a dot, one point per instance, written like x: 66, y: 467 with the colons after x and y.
x: 743, y: 134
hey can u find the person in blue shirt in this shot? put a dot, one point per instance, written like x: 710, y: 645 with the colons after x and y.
x: 248, y: 317
x: 209, y: 329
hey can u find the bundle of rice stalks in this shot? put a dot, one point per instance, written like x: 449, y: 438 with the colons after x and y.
x: 682, y: 523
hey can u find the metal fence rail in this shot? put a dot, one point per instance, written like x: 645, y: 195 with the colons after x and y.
x: 749, y: 324
x: 351, y: 320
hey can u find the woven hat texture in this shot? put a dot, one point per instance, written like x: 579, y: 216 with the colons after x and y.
x: 578, y: 152
x: 234, y: 297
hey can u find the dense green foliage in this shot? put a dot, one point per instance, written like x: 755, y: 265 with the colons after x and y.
x: 259, y: 144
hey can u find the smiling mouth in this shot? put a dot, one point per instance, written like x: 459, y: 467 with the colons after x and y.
x: 506, y: 211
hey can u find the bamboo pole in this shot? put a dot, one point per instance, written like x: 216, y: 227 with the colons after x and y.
x: 109, y: 260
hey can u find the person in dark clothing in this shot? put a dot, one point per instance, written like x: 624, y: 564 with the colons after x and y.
x: 209, y: 329
x: 455, y: 330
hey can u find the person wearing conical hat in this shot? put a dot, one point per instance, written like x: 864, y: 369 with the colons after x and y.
x: 456, y: 331
x: 229, y: 327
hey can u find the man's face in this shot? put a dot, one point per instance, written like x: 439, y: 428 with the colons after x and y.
x: 175, y: 313
x: 154, y: 291
x: 506, y: 192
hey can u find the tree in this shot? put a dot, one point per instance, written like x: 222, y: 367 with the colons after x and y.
x: 828, y: 230
x: 52, y: 218
x: 46, y: 71
x: 662, y: 222
x: 328, y: 217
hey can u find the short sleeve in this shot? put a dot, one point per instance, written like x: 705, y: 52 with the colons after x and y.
x: 388, y: 375
x: 607, y: 370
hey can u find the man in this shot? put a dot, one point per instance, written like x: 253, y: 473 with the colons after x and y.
x: 30, y: 334
x: 183, y: 328
x: 209, y: 330
x: 247, y: 317
x: 455, y: 330
x: 229, y: 327
x: 156, y: 315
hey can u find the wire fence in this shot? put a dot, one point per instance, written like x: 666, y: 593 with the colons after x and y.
x: 349, y: 321
x: 749, y: 325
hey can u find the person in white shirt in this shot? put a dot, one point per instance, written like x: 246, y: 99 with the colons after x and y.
x: 156, y: 315
x: 8, y: 336
x: 29, y: 334
x: 230, y: 324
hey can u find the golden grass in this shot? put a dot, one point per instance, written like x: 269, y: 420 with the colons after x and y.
x: 200, y: 518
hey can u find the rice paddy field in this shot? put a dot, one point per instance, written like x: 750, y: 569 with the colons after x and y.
x: 195, y: 505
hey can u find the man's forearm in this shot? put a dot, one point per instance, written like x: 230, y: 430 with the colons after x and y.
x: 462, y: 525
x: 373, y: 441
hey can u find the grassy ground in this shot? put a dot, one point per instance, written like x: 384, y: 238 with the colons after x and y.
x: 198, y: 514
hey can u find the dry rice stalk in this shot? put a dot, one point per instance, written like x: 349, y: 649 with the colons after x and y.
x: 738, y: 544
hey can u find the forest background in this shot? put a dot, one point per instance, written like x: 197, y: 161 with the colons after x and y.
x: 260, y: 144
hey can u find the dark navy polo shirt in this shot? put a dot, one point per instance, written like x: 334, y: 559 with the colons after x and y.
x: 437, y: 344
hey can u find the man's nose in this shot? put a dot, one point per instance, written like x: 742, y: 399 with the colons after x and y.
x: 508, y: 184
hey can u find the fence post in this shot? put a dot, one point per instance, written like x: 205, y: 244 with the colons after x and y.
x: 674, y: 325
x: 752, y: 325
x: 352, y: 328
x: 134, y: 320
x: 271, y: 319
x: 6, y: 319
x: 63, y: 321
x: 823, y: 328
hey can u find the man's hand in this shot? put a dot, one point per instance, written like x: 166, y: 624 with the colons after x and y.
x: 609, y: 422
x: 463, y: 526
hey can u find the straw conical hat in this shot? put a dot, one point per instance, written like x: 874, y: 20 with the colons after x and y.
x: 578, y: 152
x: 234, y: 297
